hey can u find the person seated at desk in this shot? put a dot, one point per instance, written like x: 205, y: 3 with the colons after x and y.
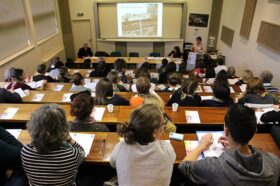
x: 141, y: 158
x: 266, y: 77
x: 9, y: 96
x: 186, y: 96
x: 200, y: 69
x: 40, y: 75
x: 175, y: 53
x: 85, y: 51
x: 18, y: 80
x: 220, y: 65
x: 52, y: 157
x: 78, y: 83
x: 162, y: 68
x: 198, y: 46
x: 64, y: 76
x: 10, y: 160
x: 120, y: 68
x: 240, y: 163
x: 82, y: 107
x: 256, y: 94
x: 105, y: 95
x: 144, y: 74
x: 246, y: 76
x: 101, y: 69
x: 221, y: 97
x: 271, y: 116
x: 170, y: 68
x: 54, y: 71
x: 231, y: 73
x: 117, y: 84
x: 144, y: 69
x: 173, y: 81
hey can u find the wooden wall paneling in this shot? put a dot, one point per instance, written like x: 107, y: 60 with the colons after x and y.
x: 227, y: 35
x: 121, y: 47
x: 248, y: 17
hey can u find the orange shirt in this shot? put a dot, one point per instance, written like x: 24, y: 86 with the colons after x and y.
x: 136, y: 101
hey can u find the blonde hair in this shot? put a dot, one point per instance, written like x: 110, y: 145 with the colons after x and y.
x: 154, y: 100
x: 247, y: 75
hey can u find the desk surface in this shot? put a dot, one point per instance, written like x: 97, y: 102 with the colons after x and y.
x: 101, y: 153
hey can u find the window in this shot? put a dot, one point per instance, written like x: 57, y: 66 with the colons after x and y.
x: 14, y: 34
x: 43, y: 13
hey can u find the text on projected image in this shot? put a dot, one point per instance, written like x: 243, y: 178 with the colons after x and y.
x: 139, y: 19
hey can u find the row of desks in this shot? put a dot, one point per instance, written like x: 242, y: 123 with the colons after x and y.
x: 104, y: 144
x: 208, y: 115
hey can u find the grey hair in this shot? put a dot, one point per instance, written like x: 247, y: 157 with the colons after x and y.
x: 266, y: 76
x: 48, y: 128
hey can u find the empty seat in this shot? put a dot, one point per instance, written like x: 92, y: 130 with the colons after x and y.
x: 133, y: 54
x: 155, y: 54
x: 116, y: 54
x: 101, y: 54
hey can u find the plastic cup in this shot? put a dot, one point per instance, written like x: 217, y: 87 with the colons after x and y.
x: 110, y: 108
x: 175, y: 107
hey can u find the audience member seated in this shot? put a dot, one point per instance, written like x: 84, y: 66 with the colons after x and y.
x: 40, y: 75
x: 220, y: 65
x: 152, y: 159
x: 101, y: 69
x: 231, y: 73
x: 271, y: 116
x: 266, y: 77
x: 18, y: 81
x: 221, y: 77
x: 105, y: 95
x: 186, y: 96
x: 82, y: 107
x: 208, y: 61
x: 163, y: 66
x: 200, y: 69
x: 120, y: 68
x: 175, y: 53
x: 9, y: 97
x: 144, y: 69
x: 52, y: 157
x: 64, y: 76
x: 10, y: 160
x: 198, y: 47
x: 8, y: 74
x: 78, y: 83
x: 144, y: 74
x: 210, y: 72
x: 157, y: 101
x: 85, y: 51
x: 117, y: 84
x: 240, y: 163
x: 143, y: 87
x: 246, y: 76
x: 256, y: 94
x: 173, y: 82
x: 171, y: 67
x: 54, y: 72
x: 221, y: 96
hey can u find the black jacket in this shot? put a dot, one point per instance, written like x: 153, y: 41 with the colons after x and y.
x: 8, y: 97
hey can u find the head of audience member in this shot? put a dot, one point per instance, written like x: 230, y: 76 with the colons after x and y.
x: 17, y: 74
x: 78, y: 79
x: 231, y: 72
x: 222, y: 77
x: 52, y: 65
x: 101, y: 66
x: 210, y: 72
x: 255, y: 86
x: 189, y: 86
x: 59, y: 64
x: 82, y: 106
x: 41, y: 69
x: 104, y: 89
x: 200, y: 65
x: 198, y: 40
x: 220, y: 61
x: 145, y: 66
x: 48, y: 128
x: 171, y: 67
x: 207, y: 60
x: 164, y: 61
x: 85, y: 46
x: 144, y: 126
x: 221, y: 90
x: 173, y: 79
x: 154, y: 100
x: 8, y: 74
x: 266, y: 76
x: 177, y: 50
x: 143, y: 70
x: 120, y: 65
x: 247, y: 75
x: 143, y: 85
x: 240, y: 124
x: 113, y: 77
x: 63, y: 71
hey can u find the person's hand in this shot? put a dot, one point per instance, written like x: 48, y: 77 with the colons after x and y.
x: 206, y: 141
x: 223, y: 140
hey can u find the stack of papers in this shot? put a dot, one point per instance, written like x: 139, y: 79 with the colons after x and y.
x: 38, y: 97
x: 58, y: 87
x: 20, y: 92
x: 206, y: 97
x: 190, y: 145
x: 98, y: 113
x: 66, y: 97
x: 9, y: 113
x: 85, y: 140
x: 232, y: 81
x: 35, y: 84
x: 14, y: 132
x: 216, y: 149
x: 207, y: 89
x: 192, y: 116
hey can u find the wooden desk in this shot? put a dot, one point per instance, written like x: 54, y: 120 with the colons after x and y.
x: 100, y: 153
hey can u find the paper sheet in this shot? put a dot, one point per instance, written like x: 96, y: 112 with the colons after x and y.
x: 66, y: 97
x: 35, y: 84
x: 210, y: 81
x: 85, y: 140
x: 206, y: 97
x: 232, y: 81
x: 98, y: 113
x: 9, y: 113
x: 190, y: 145
x: 92, y: 94
x: 186, y: 76
x: 231, y: 90
x: 91, y: 86
x: 161, y: 86
x: 20, y: 92
x: 216, y: 149
x: 258, y: 116
x: 154, y: 75
x: 192, y: 116
x: 198, y: 89
x: 87, y: 80
x: 58, y: 87
x: 38, y: 97
x: 243, y: 87
x: 208, y: 89
x: 14, y: 132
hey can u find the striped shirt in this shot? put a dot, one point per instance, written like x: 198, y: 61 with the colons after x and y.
x: 58, y: 167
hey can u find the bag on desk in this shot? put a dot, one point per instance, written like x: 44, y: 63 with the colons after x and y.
x: 112, y: 182
x: 275, y: 132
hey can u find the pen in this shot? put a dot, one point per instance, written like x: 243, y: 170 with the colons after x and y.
x: 102, y: 148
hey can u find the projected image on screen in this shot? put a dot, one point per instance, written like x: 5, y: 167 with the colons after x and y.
x: 139, y: 19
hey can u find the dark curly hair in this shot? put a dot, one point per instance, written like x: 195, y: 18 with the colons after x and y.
x: 82, y: 106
